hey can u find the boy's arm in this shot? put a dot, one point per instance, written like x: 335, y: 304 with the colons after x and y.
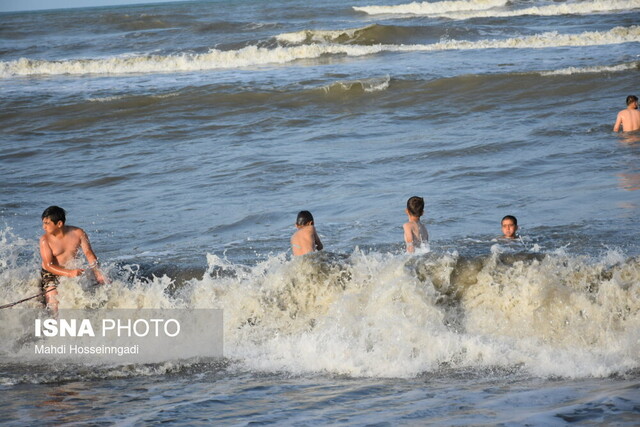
x: 408, y: 237
x: 92, y: 259
x: 317, y: 241
x: 51, y: 266
x: 616, y: 127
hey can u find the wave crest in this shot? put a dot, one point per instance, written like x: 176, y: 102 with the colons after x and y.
x: 431, y: 8
x: 593, y: 70
x: 324, y: 36
x: 257, y: 56
x: 493, y: 9
x: 387, y: 315
x: 375, y: 84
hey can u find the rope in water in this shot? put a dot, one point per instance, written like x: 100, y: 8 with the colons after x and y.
x: 28, y: 298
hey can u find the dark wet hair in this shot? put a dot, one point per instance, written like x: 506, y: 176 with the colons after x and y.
x: 631, y: 98
x: 55, y: 214
x: 304, y: 218
x: 512, y: 218
x: 415, y: 206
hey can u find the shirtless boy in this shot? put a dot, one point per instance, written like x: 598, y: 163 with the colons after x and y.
x: 509, y: 227
x: 415, y: 233
x: 58, y: 247
x: 305, y: 239
x: 628, y: 118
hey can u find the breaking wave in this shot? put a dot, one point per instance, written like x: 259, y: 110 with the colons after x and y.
x: 257, y: 56
x: 593, y: 70
x: 364, y: 85
x: 431, y: 8
x: 324, y: 36
x: 480, y: 9
x: 388, y: 315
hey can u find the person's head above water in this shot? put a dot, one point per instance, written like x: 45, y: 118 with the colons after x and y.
x: 304, y: 218
x: 631, y: 99
x: 55, y: 214
x: 415, y: 206
x: 509, y: 226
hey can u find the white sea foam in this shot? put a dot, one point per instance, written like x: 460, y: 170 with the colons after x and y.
x: 375, y: 84
x: 119, y: 97
x: 319, y: 36
x: 593, y: 70
x: 386, y: 315
x: 432, y: 8
x: 578, y: 8
x: 107, y: 98
x: 256, y: 56
x: 475, y: 9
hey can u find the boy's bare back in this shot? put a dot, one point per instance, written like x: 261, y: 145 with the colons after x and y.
x: 415, y: 233
x: 305, y: 240
x: 629, y: 118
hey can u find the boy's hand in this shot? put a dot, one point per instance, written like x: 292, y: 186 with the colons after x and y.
x: 76, y: 272
x: 100, y: 277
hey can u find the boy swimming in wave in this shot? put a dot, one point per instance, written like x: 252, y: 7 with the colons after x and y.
x: 306, y: 239
x: 415, y: 233
x: 58, y: 248
x: 629, y: 118
x: 509, y: 226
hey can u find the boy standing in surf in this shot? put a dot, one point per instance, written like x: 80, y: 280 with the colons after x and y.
x: 628, y: 118
x: 509, y: 227
x: 305, y: 239
x: 58, y: 247
x: 415, y: 233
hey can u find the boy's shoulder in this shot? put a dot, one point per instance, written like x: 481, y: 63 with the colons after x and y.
x: 69, y: 230
x: 308, y: 229
x: 306, y: 232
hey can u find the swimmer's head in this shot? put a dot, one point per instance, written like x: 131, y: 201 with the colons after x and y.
x: 509, y: 226
x: 55, y: 214
x: 304, y: 218
x: 415, y: 206
x: 631, y: 99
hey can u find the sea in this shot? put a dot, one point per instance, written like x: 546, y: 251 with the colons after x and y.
x: 185, y: 137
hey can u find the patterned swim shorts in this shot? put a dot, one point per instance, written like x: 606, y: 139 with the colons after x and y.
x: 48, y: 279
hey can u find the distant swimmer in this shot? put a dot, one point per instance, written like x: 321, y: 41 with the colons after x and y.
x: 509, y: 227
x: 58, y: 247
x: 628, y: 118
x: 415, y: 233
x: 305, y: 239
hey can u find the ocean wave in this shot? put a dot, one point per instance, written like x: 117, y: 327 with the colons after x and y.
x: 369, y: 35
x: 381, y: 314
x: 322, y: 36
x: 375, y: 84
x: 121, y: 97
x: 457, y: 10
x: 257, y: 56
x: 135, y: 22
x: 431, y: 8
x: 593, y: 70
x: 385, y: 315
x: 107, y: 98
